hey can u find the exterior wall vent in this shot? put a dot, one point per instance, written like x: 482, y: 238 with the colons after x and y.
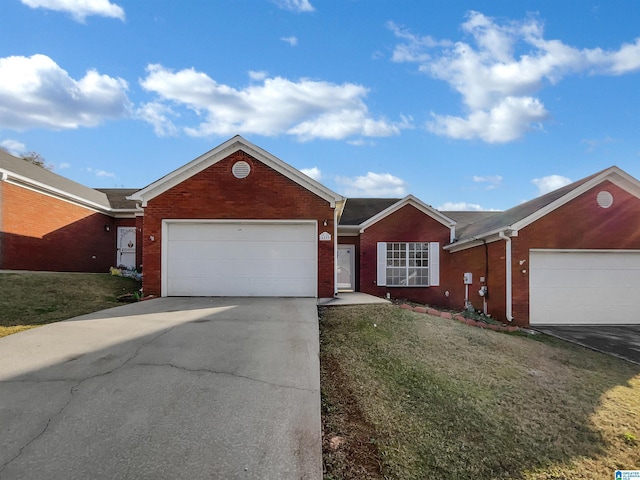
x: 604, y: 199
x: 241, y: 169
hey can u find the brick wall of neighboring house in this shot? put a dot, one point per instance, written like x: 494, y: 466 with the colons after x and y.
x: 41, y: 232
x: 215, y: 193
x: 408, y: 224
x: 579, y: 224
x: 486, y: 262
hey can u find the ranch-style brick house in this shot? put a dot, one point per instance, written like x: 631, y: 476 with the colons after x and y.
x: 238, y: 221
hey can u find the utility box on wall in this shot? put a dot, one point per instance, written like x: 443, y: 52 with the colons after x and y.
x: 468, y: 278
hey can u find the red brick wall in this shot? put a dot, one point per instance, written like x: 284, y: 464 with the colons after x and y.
x: 474, y: 260
x: 406, y: 225
x: 216, y: 194
x: 579, y: 224
x: 40, y: 232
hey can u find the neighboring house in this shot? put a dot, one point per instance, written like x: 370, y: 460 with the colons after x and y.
x: 238, y: 221
x: 48, y: 222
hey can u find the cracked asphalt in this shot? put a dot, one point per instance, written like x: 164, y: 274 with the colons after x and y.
x: 171, y: 388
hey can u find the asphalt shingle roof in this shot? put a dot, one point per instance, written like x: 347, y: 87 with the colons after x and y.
x: 47, y: 178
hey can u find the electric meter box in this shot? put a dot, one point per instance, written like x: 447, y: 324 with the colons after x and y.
x: 468, y: 278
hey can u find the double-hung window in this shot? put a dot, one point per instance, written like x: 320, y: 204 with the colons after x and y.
x: 408, y: 264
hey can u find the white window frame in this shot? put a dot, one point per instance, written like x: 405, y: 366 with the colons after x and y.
x: 402, y: 260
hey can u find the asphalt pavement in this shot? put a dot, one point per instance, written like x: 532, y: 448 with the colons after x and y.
x: 171, y: 388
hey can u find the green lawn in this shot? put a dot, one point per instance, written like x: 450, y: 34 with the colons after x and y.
x: 31, y: 299
x: 411, y: 396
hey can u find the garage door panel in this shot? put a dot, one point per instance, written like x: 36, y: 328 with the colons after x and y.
x: 240, y: 250
x: 238, y: 259
x: 584, y: 287
x: 237, y: 232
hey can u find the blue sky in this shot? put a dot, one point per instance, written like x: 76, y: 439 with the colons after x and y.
x: 466, y: 105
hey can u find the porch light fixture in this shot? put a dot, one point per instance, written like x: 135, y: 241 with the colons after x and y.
x: 107, y: 227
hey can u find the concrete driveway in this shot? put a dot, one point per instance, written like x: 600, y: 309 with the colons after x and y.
x: 193, y: 388
x: 622, y: 341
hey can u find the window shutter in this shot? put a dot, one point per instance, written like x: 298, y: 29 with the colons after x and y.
x: 382, y: 264
x: 434, y: 264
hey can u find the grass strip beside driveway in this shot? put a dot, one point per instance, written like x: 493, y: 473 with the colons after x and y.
x: 29, y: 299
x: 408, y: 395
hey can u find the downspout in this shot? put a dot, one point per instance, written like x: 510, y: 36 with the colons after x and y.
x: 509, y: 293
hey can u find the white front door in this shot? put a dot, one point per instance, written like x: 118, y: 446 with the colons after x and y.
x: 126, y: 245
x: 346, y: 268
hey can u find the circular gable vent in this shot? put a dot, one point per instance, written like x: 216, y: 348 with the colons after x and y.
x: 241, y: 169
x: 604, y: 199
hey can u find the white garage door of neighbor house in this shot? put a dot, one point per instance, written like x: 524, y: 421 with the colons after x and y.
x: 240, y: 259
x: 592, y: 287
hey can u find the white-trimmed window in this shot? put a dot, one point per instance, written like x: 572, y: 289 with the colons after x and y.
x: 408, y: 264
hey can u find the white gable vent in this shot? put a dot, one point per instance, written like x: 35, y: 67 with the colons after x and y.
x: 604, y: 199
x: 241, y: 169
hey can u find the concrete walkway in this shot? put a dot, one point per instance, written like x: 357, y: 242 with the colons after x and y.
x: 198, y: 388
x: 351, y: 298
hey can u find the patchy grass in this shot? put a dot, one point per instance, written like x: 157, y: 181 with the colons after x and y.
x: 30, y: 299
x: 413, y: 396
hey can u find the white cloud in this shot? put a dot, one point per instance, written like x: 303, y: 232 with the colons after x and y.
x: 259, y: 76
x: 373, y: 185
x: 158, y: 115
x: 500, y: 70
x: 295, y: 5
x: 492, y: 181
x: 306, y: 109
x: 313, y: 172
x: 550, y: 183
x: 80, y: 9
x: 64, y: 165
x: 461, y: 207
x: 293, y: 41
x: 102, y: 173
x: 14, y: 147
x: 36, y: 92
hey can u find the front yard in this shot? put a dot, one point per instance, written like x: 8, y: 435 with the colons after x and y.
x: 411, y: 396
x: 31, y: 299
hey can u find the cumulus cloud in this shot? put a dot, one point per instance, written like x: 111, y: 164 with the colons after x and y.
x: 499, y: 71
x: 373, y: 185
x: 14, y: 147
x: 550, y: 183
x: 307, y: 109
x: 313, y: 172
x: 461, y: 207
x: 293, y: 41
x: 100, y: 173
x: 36, y: 92
x: 492, y: 181
x: 295, y: 5
x: 80, y: 9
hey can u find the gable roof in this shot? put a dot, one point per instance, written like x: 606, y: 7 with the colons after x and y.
x: 20, y: 172
x: 118, y: 197
x: 415, y: 202
x: 220, y: 153
x: 359, y: 210
x: 516, y: 218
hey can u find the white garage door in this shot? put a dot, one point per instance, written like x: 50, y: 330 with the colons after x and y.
x: 588, y: 287
x: 240, y: 259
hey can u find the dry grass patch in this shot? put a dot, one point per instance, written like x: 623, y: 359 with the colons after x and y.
x: 34, y: 298
x: 438, y: 399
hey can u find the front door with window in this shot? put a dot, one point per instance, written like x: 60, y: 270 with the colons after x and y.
x: 126, y: 247
x: 346, y: 268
